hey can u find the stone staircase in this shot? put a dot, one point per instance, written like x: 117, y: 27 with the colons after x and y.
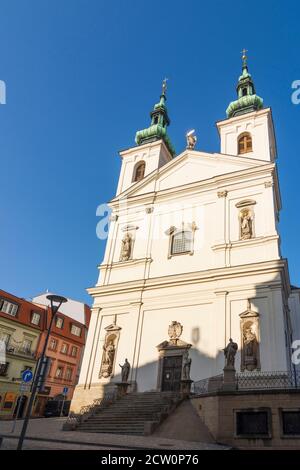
x: 135, y: 413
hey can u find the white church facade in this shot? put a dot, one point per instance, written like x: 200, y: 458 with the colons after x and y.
x: 193, y: 259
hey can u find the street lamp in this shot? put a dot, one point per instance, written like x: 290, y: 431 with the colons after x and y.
x: 55, y: 303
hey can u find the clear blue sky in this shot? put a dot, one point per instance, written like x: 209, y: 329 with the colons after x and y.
x: 82, y: 77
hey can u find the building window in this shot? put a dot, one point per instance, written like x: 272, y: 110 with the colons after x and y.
x: 5, y: 337
x: 59, y: 322
x: 69, y: 373
x: 26, y: 346
x: 53, y: 344
x: 74, y: 351
x: 290, y: 423
x: 59, y: 372
x: 64, y: 348
x: 244, y: 143
x: 181, y: 242
x: 3, y: 369
x: 139, y: 171
x: 35, y: 318
x: 253, y: 423
x: 9, y: 308
x: 75, y: 330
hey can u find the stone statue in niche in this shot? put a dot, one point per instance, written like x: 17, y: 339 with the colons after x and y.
x: 250, y: 356
x: 125, y: 369
x: 186, y: 368
x: 126, y: 248
x: 246, y: 228
x: 109, y: 354
x: 108, y: 357
x: 229, y: 353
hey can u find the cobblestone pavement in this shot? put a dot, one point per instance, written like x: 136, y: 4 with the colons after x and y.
x: 50, y: 429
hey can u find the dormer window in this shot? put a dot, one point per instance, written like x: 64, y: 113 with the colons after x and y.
x: 139, y: 171
x: 244, y: 143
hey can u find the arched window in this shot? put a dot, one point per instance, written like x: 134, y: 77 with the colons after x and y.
x: 181, y: 242
x: 139, y: 171
x: 244, y: 143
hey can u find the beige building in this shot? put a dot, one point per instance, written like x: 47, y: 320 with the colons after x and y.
x: 20, y: 331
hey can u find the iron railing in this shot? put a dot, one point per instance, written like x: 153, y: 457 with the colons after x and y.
x: 207, y: 385
x: 265, y: 380
x: 74, y: 419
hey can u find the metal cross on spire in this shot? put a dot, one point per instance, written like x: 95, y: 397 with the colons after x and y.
x: 244, y: 56
x: 164, y: 85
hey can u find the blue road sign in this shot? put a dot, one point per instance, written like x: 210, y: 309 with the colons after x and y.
x: 65, y: 391
x: 27, y: 376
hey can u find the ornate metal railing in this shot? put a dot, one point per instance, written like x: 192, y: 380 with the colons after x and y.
x: 19, y: 350
x: 268, y: 380
x: 272, y: 380
x: 74, y: 419
x: 206, y: 385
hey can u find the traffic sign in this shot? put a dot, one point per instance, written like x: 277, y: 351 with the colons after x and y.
x: 65, y: 391
x: 27, y: 376
x: 24, y: 387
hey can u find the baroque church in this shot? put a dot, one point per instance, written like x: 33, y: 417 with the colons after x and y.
x: 193, y: 259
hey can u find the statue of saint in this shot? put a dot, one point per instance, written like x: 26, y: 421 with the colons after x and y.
x: 125, y: 370
x: 246, y: 225
x: 250, y: 348
x: 187, y: 368
x: 126, y: 247
x: 230, y: 352
x: 191, y: 140
x: 109, y: 354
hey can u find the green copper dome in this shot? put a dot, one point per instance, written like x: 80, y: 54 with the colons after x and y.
x: 159, y: 123
x: 248, y: 100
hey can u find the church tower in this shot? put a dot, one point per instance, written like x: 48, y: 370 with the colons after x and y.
x: 154, y: 147
x: 248, y: 129
x: 192, y: 259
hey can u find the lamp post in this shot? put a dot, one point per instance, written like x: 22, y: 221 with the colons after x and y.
x: 55, y: 303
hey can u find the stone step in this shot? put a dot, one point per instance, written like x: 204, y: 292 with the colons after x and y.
x: 129, y: 414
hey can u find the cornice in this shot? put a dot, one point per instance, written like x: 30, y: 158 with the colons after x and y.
x: 242, y: 243
x: 215, y: 183
x: 198, y: 277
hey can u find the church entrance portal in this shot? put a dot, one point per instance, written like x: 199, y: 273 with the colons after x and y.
x: 171, y: 376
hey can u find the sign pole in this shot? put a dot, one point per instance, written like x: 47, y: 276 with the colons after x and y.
x: 17, y: 414
x: 65, y: 391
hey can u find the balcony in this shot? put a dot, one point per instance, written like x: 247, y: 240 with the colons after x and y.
x: 19, y: 351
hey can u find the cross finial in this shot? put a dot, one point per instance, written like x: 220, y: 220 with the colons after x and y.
x: 164, y: 85
x: 244, y: 56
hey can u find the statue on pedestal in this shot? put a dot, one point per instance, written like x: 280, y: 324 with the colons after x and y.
x: 186, y: 368
x: 229, y: 353
x: 125, y: 371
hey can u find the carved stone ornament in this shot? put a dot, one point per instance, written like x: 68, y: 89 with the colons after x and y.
x: 109, y: 351
x: 175, y: 331
x: 250, y: 358
x: 222, y: 193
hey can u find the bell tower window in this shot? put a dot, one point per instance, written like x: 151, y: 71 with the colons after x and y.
x: 244, y: 143
x: 139, y: 171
